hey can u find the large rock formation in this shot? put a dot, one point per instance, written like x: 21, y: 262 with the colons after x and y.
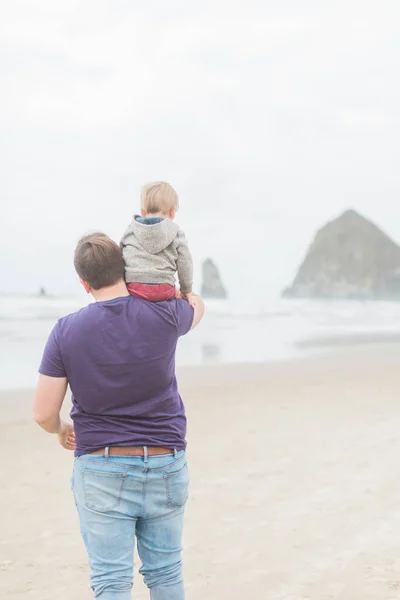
x: 212, y: 284
x: 349, y: 258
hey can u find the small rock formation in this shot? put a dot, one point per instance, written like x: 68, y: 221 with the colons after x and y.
x: 42, y: 292
x: 212, y: 285
x: 349, y: 258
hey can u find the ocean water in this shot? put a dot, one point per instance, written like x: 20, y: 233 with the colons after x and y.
x: 255, y: 330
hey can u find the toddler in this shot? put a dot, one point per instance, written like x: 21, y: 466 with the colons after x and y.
x: 155, y: 249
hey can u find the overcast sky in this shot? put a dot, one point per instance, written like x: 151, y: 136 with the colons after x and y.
x: 268, y: 117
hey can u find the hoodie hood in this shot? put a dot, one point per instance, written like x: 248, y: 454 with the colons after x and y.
x: 154, y: 237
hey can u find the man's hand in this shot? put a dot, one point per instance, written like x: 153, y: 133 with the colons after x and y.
x: 191, y: 298
x: 196, y: 303
x: 66, y: 436
x: 198, y: 306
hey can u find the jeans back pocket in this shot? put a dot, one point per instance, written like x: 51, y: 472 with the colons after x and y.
x: 177, y: 487
x: 102, y: 490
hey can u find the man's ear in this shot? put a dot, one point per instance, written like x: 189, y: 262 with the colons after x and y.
x: 143, y: 212
x: 172, y: 214
x: 86, y: 285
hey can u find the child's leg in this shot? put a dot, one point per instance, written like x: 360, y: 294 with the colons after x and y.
x: 152, y: 293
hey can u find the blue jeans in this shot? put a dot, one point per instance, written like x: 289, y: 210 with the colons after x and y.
x: 121, y: 497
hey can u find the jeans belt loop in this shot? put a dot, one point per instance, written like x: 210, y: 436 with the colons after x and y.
x: 107, y: 452
x: 145, y: 454
x: 175, y: 453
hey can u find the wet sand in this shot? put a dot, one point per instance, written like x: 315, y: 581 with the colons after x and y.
x: 295, y: 487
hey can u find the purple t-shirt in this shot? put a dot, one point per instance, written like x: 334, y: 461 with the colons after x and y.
x: 119, y: 359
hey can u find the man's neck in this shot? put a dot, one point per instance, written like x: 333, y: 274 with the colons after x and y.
x: 110, y: 293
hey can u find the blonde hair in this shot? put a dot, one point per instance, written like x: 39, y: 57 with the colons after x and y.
x: 158, y: 197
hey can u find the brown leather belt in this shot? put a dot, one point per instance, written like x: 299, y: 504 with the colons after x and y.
x: 133, y: 451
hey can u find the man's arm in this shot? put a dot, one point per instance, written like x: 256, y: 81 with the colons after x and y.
x: 188, y: 317
x: 198, y: 308
x: 49, y: 397
x: 50, y: 394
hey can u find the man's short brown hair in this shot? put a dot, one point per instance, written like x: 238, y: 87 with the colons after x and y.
x: 99, y: 261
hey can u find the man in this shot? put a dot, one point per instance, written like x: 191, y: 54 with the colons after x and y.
x: 130, y: 475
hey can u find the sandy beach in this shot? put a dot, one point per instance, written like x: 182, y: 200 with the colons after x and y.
x: 295, y: 492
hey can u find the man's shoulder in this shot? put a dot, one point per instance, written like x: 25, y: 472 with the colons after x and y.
x: 140, y: 313
x: 167, y: 309
x: 75, y: 317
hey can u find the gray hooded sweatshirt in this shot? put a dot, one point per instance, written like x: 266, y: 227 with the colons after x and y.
x: 154, y: 251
